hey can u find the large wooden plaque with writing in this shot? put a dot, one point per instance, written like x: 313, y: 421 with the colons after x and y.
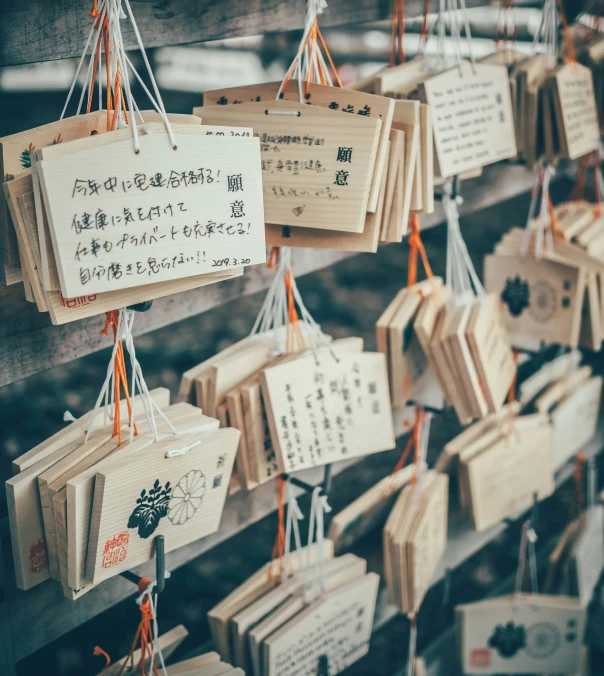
x: 347, y: 101
x: 575, y: 107
x: 120, y: 219
x: 473, y: 120
x: 337, y: 625
x: 317, y: 164
x: 329, y: 410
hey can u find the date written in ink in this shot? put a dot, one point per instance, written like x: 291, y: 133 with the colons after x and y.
x: 230, y: 262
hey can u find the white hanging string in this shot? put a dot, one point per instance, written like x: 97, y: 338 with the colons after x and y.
x: 106, y: 398
x: 592, y: 482
x: 102, y: 11
x: 453, y: 13
x: 273, y: 315
x: 315, y: 578
x: 540, y: 226
x: 112, y: 13
x: 545, y: 39
x: 156, y: 652
x: 304, y: 64
x: 412, y: 655
x: 462, y: 280
x: 422, y: 453
x: 527, y: 550
x: 294, y: 516
x: 506, y: 25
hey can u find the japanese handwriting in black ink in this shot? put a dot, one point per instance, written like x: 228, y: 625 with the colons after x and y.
x: 237, y: 209
x: 365, y: 110
x: 348, y: 109
x: 334, y: 106
x: 344, y: 154
x: 341, y: 178
x: 140, y: 180
x: 235, y: 183
x: 85, y: 187
x: 110, y: 184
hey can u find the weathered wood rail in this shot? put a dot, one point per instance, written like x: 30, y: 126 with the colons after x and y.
x: 32, y: 31
x: 29, y: 343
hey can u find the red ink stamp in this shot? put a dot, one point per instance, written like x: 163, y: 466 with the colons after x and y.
x: 480, y: 657
x: 115, y: 550
x: 77, y: 302
x: 38, y: 560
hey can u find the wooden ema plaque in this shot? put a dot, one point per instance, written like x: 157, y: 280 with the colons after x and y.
x: 63, y: 310
x: 328, y: 411
x: 120, y: 219
x: 473, y: 120
x: 179, y: 497
x: 337, y: 625
x: 587, y: 555
x: 504, y: 478
x: 575, y: 420
x: 490, y: 345
x: 335, y: 98
x: 15, y: 159
x: 527, y: 633
x: 575, y: 110
x: 317, y: 164
x: 24, y: 506
x: 541, y: 298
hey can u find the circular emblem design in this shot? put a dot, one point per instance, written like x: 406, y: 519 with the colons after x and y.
x: 543, y: 301
x: 542, y: 640
x: 186, y: 497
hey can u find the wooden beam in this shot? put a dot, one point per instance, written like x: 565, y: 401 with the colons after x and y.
x: 46, y: 30
x: 30, y: 344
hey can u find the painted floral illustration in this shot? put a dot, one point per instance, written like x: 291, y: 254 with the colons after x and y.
x: 508, y: 639
x: 186, y: 497
x: 516, y: 295
x: 150, y: 508
x: 25, y: 158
